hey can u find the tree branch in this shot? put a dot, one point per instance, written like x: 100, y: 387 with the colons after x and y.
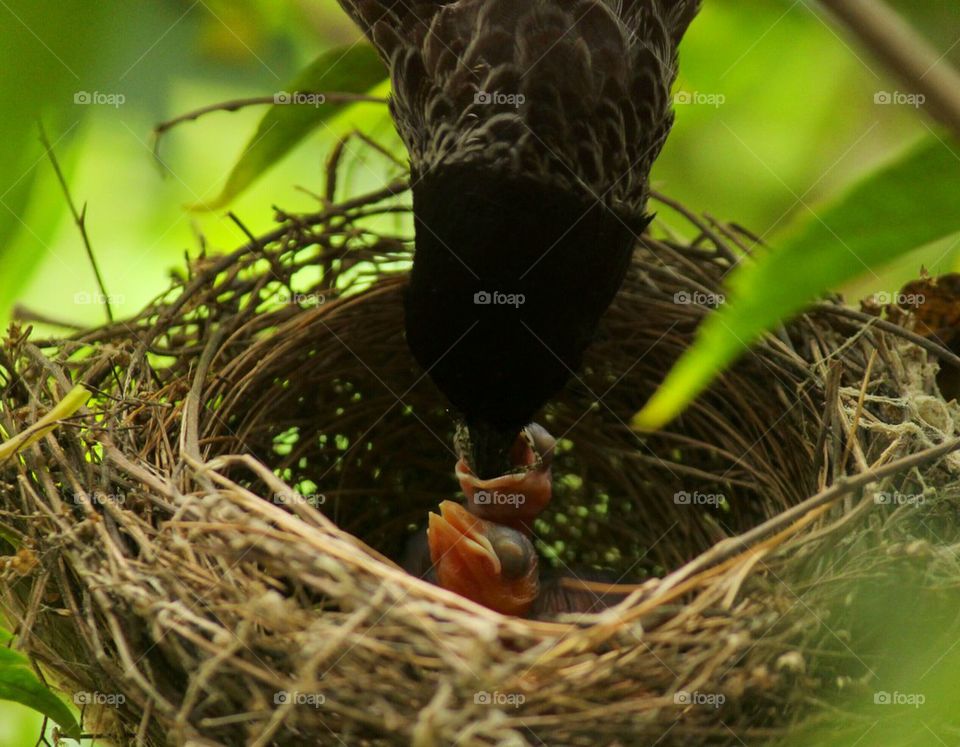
x: 906, y: 53
x: 79, y: 218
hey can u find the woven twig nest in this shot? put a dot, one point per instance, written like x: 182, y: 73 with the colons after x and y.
x: 211, y: 535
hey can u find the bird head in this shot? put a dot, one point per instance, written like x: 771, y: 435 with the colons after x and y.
x: 519, y: 496
x: 490, y: 564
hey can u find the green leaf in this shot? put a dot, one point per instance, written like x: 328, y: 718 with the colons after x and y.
x: 12, y: 658
x: 19, y: 684
x: 901, y: 207
x: 355, y: 69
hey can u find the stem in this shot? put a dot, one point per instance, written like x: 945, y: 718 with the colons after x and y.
x: 906, y: 53
x: 80, y: 218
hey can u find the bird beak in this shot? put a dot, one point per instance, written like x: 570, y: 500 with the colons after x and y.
x: 516, y: 498
x: 456, y: 538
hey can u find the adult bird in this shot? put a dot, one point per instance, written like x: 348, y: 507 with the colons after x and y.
x: 531, y: 129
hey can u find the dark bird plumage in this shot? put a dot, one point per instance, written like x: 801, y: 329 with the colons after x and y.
x: 531, y: 128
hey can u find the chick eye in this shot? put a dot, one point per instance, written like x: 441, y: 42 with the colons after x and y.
x: 516, y: 554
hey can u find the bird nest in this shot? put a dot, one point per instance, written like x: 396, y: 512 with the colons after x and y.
x: 210, y: 540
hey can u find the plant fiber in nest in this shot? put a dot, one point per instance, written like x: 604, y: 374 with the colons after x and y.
x: 216, y: 525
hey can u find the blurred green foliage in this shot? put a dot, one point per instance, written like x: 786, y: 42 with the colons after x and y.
x: 797, y: 122
x: 900, y: 687
x: 782, y: 115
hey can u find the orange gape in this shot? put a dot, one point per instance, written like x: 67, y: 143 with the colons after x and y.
x: 516, y: 498
x: 490, y: 564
